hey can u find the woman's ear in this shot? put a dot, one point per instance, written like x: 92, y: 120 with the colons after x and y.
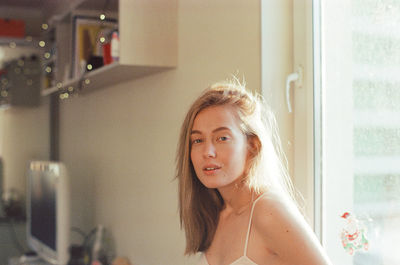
x: 254, y: 145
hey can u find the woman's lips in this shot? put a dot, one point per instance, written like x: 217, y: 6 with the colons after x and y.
x: 211, y: 169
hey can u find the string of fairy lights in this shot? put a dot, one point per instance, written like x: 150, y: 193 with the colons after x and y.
x: 49, y: 54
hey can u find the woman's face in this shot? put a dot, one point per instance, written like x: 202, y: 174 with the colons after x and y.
x: 218, y: 147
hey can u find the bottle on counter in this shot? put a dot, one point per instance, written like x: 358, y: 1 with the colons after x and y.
x: 115, y: 46
x: 99, y: 251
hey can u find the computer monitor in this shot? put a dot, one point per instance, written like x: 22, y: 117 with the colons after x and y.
x: 48, y: 211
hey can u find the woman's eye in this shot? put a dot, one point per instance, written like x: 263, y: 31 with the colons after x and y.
x: 196, y: 141
x: 223, y: 138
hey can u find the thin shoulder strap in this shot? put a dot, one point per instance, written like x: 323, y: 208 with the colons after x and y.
x: 248, y: 229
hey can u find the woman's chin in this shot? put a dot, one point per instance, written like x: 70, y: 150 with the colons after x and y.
x: 209, y: 183
x: 213, y: 183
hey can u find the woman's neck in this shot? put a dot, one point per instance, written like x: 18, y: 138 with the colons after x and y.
x: 237, y: 198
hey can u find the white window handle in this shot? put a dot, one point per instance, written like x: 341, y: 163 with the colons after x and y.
x: 296, y: 77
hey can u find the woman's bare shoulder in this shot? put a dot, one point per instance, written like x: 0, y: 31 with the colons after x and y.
x: 284, y: 230
x: 273, y: 211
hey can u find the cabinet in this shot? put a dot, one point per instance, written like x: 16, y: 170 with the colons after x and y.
x: 147, y: 43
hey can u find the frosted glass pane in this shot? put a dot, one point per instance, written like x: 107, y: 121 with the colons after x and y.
x: 376, y: 132
x: 371, y: 31
x: 376, y: 141
x: 376, y: 95
x: 376, y: 50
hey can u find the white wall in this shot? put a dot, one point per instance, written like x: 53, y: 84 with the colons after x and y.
x: 119, y: 143
x: 24, y: 136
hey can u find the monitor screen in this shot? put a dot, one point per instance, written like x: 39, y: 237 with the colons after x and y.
x: 48, y: 211
x: 43, y: 208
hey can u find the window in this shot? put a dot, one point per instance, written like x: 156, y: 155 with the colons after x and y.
x: 357, y: 115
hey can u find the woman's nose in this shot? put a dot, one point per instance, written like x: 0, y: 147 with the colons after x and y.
x: 209, y: 150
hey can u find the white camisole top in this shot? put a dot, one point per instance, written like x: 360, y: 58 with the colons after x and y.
x: 243, y: 260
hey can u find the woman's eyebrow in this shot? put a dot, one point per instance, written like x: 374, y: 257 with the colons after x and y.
x: 195, y: 132
x: 223, y: 128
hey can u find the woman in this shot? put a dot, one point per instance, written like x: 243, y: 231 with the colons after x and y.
x: 235, y: 197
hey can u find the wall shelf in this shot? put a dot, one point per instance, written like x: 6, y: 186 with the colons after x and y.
x: 105, y: 76
x: 148, y: 43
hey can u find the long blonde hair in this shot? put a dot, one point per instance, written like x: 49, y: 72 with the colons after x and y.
x: 199, y: 207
